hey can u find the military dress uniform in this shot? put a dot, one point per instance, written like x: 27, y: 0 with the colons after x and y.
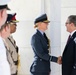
x: 40, y: 46
x: 13, y: 68
x: 4, y: 65
x: 13, y: 49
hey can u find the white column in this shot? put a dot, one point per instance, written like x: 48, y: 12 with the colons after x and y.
x: 53, y: 9
x: 42, y: 6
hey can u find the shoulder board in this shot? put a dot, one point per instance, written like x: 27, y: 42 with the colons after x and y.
x: 75, y: 39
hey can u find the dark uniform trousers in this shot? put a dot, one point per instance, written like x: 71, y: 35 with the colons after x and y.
x: 15, y: 73
x: 37, y: 73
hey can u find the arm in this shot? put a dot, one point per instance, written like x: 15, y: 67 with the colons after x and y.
x: 39, y: 50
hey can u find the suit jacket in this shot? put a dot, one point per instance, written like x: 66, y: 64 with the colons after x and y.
x: 69, y: 57
x: 41, y: 53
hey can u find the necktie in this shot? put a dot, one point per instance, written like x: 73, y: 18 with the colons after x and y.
x: 44, y: 34
x: 45, y: 37
x: 69, y: 38
x: 47, y: 40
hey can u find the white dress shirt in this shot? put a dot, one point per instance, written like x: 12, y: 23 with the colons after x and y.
x: 4, y: 65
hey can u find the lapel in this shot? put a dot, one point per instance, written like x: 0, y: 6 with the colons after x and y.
x: 11, y: 39
x: 43, y: 41
x: 74, y: 35
x: 41, y: 36
x: 71, y: 39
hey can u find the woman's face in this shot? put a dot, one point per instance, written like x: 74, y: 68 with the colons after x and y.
x: 43, y: 26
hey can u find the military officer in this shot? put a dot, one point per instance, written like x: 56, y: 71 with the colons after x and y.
x: 40, y: 46
x: 13, y: 48
x: 3, y: 9
x: 4, y: 65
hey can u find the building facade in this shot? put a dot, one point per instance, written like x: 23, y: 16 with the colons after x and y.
x: 27, y: 11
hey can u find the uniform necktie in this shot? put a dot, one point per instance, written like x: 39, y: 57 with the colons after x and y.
x: 47, y: 40
x: 45, y: 37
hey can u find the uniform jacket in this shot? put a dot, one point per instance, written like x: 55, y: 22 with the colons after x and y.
x: 12, y: 54
x: 13, y: 67
x: 4, y: 65
x: 13, y: 48
x: 69, y: 57
x: 41, y: 53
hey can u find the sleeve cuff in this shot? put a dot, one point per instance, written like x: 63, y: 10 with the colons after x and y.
x: 53, y: 59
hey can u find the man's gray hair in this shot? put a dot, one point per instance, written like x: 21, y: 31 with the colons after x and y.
x: 72, y: 19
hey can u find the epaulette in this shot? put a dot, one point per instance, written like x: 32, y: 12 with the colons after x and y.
x: 75, y: 39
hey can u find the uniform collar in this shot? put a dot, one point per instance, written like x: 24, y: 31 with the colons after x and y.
x: 41, y: 32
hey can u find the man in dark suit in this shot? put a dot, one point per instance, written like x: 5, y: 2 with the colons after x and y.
x: 69, y: 54
x: 40, y: 45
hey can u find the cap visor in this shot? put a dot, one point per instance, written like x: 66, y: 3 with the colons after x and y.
x: 4, y: 7
x: 15, y: 21
x: 47, y: 21
x: 8, y: 8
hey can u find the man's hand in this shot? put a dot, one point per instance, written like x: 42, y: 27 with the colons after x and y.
x: 59, y: 61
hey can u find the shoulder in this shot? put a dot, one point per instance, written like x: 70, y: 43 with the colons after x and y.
x: 35, y: 36
x: 75, y: 40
